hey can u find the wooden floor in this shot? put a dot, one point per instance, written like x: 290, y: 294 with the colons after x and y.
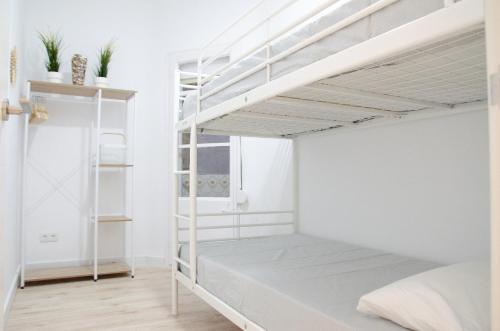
x: 120, y: 303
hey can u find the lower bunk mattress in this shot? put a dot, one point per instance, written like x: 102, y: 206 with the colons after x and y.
x: 298, y: 282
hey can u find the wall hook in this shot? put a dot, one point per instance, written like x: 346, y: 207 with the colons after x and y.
x: 7, y: 110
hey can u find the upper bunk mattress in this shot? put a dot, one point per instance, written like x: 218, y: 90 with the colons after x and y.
x: 386, y: 19
x: 298, y: 282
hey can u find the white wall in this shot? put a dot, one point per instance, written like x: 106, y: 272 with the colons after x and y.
x: 11, y: 142
x: 417, y: 188
x: 267, y: 176
x: 146, y: 32
x: 9, y: 158
x: 268, y: 173
x: 4, y: 42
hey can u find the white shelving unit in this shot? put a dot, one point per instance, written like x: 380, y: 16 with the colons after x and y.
x: 97, y: 96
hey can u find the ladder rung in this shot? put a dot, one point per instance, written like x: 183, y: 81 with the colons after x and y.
x: 113, y: 218
x: 189, y: 87
x: 113, y: 165
x: 182, y: 217
x: 184, y: 263
x: 205, y: 145
x: 181, y: 172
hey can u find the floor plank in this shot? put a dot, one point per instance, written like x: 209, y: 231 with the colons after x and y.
x: 114, y: 304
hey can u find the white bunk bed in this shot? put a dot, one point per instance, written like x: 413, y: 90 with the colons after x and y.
x: 344, y: 65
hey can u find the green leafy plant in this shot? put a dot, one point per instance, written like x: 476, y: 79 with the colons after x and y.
x: 105, y: 54
x: 53, y: 44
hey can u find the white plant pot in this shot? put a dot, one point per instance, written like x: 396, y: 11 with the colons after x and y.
x: 55, y: 77
x: 101, y: 82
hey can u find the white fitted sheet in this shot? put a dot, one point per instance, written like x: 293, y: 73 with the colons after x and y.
x: 298, y: 282
x: 391, y: 17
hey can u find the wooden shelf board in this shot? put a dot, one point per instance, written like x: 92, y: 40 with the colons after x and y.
x: 39, y: 275
x: 80, y: 91
x: 115, y: 218
x: 117, y: 94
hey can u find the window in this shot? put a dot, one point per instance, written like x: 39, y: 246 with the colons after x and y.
x: 213, y: 166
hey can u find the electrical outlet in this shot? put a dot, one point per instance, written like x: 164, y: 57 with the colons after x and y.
x: 49, y: 237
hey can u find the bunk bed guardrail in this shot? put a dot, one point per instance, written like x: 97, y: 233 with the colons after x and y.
x: 266, y: 43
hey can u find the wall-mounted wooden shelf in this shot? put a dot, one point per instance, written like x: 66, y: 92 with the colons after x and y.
x: 80, y: 91
x: 113, y: 218
x: 46, y: 274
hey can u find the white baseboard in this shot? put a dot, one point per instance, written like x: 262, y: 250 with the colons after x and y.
x: 10, y: 295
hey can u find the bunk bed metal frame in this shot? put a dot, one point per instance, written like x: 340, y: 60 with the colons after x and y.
x: 455, y: 17
x: 465, y: 15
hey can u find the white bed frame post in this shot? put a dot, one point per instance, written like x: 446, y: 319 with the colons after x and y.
x: 175, y: 193
x: 198, y: 84
x: 175, y: 239
x: 295, y: 179
x: 193, y: 193
x: 492, y: 21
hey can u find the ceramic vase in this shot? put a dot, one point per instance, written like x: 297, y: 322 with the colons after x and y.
x: 101, y: 82
x: 78, y: 68
x: 54, y: 77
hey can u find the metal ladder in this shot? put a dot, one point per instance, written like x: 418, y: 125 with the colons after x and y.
x: 193, y: 191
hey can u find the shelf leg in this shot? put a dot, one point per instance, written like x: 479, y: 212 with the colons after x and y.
x: 132, y: 185
x: 96, y: 192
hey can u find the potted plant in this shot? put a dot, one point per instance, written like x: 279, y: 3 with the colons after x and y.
x: 101, y: 72
x: 52, y: 43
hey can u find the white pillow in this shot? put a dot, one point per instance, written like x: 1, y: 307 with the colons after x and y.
x: 451, y: 298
